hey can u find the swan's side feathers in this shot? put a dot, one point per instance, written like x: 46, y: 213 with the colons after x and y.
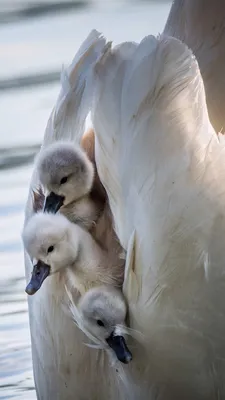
x: 110, y: 70
x: 131, y: 286
x: 67, y: 120
x: 163, y: 167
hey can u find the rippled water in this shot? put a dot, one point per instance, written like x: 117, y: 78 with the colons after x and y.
x: 29, y: 47
x: 15, y: 358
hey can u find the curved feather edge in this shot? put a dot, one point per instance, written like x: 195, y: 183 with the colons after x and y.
x: 67, y: 119
x: 130, y: 284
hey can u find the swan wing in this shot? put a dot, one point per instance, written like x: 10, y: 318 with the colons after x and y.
x: 67, y: 119
x: 68, y: 116
x: 162, y: 166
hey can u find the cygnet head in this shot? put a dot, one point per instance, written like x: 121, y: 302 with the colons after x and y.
x: 103, y: 313
x: 66, y: 174
x: 49, y: 240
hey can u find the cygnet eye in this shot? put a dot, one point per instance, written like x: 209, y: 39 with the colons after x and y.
x: 50, y: 249
x: 100, y: 323
x: 63, y: 180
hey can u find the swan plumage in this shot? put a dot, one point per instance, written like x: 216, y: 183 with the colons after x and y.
x: 165, y: 193
x: 67, y: 177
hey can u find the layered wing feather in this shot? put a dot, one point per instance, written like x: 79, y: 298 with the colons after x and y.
x: 163, y: 169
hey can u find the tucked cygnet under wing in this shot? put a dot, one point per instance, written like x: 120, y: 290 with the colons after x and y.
x: 101, y: 314
x: 67, y: 176
x: 60, y: 245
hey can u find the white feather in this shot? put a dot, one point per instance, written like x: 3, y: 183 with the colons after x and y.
x: 68, y: 117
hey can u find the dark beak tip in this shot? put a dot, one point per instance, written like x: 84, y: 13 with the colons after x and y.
x: 53, y: 203
x: 39, y: 274
x: 128, y: 358
x: 118, y: 345
x: 30, y: 290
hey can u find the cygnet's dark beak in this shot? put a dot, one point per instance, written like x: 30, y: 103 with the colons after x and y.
x: 118, y: 344
x: 39, y: 274
x: 53, y: 202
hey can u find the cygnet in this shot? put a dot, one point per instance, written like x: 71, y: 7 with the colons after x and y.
x: 101, y: 315
x: 57, y: 244
x: 67, y: 176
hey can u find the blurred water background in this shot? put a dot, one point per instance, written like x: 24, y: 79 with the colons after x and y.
x: 36, y: 37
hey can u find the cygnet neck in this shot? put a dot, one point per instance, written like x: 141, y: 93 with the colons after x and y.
x: 91, y: 263
x: 82, y: 211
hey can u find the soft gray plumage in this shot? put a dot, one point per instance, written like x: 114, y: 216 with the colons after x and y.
x: 65, y: 161
x: 101, y: 314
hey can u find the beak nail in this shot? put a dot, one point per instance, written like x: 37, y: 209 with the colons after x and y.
x: 53, y: 202
x: 118, y: 345
x: 39, y: 274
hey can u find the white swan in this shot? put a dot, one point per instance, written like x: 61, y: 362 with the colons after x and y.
x: 182, y: 307
x: 59, y: 245
x: 101, y: 313
x: 168, y: 207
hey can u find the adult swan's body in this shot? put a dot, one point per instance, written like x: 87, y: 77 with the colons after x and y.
x: 156, y: 121
x: 165, y: 192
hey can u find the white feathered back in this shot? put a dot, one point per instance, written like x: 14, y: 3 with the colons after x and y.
x: 163, y: 168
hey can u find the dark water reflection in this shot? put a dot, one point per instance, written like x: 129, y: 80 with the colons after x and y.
x: 16, y: 379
